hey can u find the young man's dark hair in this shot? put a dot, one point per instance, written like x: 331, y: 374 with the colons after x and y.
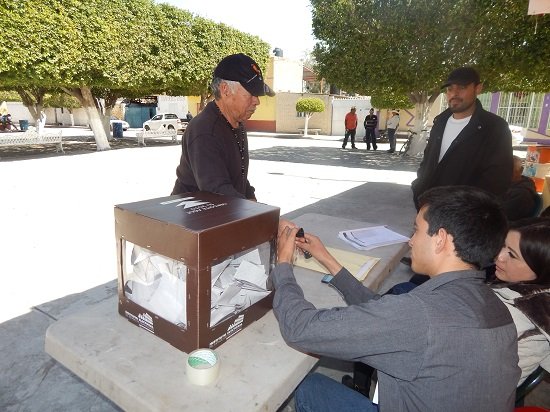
x: 469, y: 216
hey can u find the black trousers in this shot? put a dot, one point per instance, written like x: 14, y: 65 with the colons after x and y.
x: 350, y: 133
x: 370, y: 138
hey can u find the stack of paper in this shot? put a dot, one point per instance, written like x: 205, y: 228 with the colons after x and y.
x: 358, y: 265
x: 371, y: 237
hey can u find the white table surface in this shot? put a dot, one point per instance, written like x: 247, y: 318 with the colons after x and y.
x: 258, y: 371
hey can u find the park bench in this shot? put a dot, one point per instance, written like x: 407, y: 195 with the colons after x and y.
x: 310, y: 131
x: 155, y: 134
x: 31, y: 137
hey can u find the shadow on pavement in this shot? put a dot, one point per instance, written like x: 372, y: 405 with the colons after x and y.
x: 336, y: 157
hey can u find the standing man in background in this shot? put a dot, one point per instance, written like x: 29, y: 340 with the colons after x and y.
x: 214, y: 154
x: 392, y: 126
x: 468, y: 145
x: 350, y: 123
x: 370, y: 123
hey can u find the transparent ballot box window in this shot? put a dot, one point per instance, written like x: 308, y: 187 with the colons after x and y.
x: 240, y: 281
x: 158, y: 283
x: 155, y: 282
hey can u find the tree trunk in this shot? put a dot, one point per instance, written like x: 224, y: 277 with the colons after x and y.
x: 203, y: 101
x: 110, y: 102
x: 423, y: 102
x: 307, y: 121
x: 33, y: 100
x: 87, y: 101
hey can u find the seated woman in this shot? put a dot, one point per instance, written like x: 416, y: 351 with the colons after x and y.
x: 523, y: 284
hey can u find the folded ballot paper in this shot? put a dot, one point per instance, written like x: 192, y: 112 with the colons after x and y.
x: 357, y: 264
x: 371, y: 237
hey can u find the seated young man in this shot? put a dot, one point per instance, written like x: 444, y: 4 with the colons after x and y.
x: 448, y: 345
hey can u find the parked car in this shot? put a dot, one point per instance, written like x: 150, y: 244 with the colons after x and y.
x: 163, y: 120
x: 125, y: 125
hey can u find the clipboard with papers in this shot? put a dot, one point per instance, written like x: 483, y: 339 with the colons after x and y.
x: 357, y: 264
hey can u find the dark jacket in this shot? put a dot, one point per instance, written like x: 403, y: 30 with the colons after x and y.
x: 448, y: 345
x: 211, y: 158
x: 521, y: 199
x: 480, y: 156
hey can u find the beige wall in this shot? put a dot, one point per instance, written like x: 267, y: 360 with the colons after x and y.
x: 289, y: 122
x: 286, y: 76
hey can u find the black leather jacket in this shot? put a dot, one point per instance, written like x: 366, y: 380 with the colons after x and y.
x: 480, y: 156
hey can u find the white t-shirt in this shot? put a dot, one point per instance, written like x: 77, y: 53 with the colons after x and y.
x: 452, y: 129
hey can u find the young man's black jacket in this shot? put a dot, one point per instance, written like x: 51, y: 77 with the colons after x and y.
x: 480, y: 156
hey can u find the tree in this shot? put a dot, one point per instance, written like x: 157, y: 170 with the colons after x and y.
x: 62, y: 100
x: 9, y: 96
x: 387, y: 99
x: 308, y: 106
x: 109, y: 49
x: 407, y: 48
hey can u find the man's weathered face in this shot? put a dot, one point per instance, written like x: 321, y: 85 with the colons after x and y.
x: 241, y: 103
x: 462, y: 98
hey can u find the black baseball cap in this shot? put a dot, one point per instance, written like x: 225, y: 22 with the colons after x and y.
x: 462, y: 76
x: 241, y: 68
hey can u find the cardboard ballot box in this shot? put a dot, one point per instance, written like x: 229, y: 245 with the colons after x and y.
x: 192, y: 268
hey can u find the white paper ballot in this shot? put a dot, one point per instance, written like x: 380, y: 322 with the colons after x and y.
x: 251, y: 273
x: 371, y: 237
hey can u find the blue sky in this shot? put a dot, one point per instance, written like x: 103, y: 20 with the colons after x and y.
x: 284, y: 23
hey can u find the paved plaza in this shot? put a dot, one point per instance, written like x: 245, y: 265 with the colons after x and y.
x: 58, y: 243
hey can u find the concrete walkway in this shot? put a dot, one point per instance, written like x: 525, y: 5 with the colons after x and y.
x: 58, y: 244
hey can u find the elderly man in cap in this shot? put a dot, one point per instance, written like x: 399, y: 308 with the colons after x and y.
x: 468, y: 145
x: 215, y: 147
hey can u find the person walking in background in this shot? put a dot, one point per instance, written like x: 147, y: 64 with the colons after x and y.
x: 350, y: 123
x: 370, y: 123
x: 468, y: 145
x: 391, y: 126
x: 214, y: 154
x: 188, y: 116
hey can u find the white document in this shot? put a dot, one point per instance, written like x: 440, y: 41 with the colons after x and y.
x: 371, y: 237
x: 252, y: 274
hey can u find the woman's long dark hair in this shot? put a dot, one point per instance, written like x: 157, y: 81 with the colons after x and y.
x: 534, y: 245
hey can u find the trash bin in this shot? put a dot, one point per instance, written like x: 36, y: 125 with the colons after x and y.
x: 24, y: 125
x: 117, y: 129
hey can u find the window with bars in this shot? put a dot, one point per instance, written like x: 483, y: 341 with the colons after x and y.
x: 517, y: 108
x: 521, y: 109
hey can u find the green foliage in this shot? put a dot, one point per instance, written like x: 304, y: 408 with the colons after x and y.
x: 116, y: 47
x: 387, y: 99
x: 9, y: 96
x: 61, y: 99
x: 406, y: 47
x: 310, y: 105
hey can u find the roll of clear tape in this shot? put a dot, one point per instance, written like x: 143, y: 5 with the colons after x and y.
x: 203, y: 367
